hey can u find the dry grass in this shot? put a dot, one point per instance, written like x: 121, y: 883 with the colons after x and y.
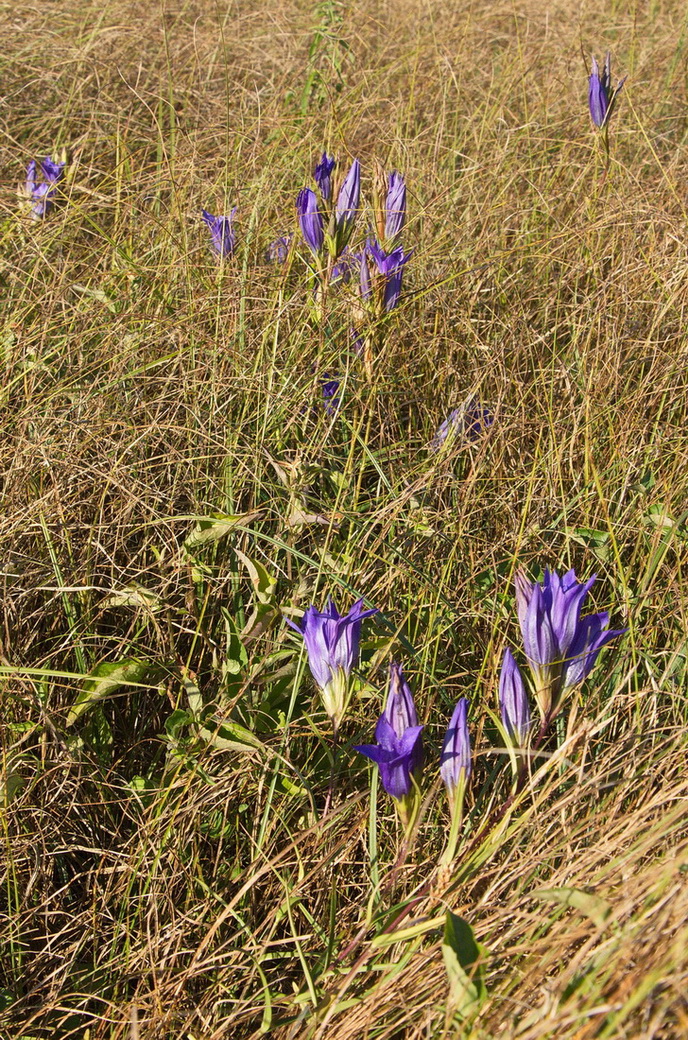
x: 154, y: 883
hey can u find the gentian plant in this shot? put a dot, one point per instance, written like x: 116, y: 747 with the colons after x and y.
x: 42, y: 179
x: 513, y: 702
x: 470, y: 420
x: 222, y: 235
x: 310, y: 220
x: 455, y: 769
x: 332, y: 641
x: 323, y: 175
x: 601, y: 97
x: 561, y: 646
x: 278, y: 251
x: 395, y: 207
x: 398, y: 751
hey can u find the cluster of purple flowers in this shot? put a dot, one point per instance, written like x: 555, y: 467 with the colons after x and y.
x: 398, y: 751
x: 561, y: 647
x: 324, y: 226
x: 327, y: 231
x: 332, y: 642
x: 327, y: 228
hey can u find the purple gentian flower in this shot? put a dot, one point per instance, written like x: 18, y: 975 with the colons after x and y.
x: 601, y: 97
x: 399, y: 748
x: 310, y: 220
x: 323, y: 175
x: 513, y: 700
x: 330, y: 388
x: 448, y: 426
x: 471, y: 418
x: 347, y: 205
x: 456, y: 749
x: 561, y: 646
x: 390, y: 265
x: 591, y: 635
x: 332, y: 643
x: 395, y: 206
x: 477, y: 420
x: 277, y: 251
x: 221, y: 232
x: 42, y: 189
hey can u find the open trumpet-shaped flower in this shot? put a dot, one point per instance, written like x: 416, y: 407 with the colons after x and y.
x: 42, y: 179
x: 222, y: 235
x: 332, y: 641
x: 390, y: 266
x: 601, y: 97
x: 398, y: 752
x: 561, y: 646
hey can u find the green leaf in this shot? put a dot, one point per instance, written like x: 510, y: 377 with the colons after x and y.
x: 96, y: 294
x: 235, y: 658
x: 210, y: 529
x: 597, y: 541
x: 133, y: 596
x: 176, y: 722
x: 230, y: 736
x: 109, y: 676
x: 462, y: 957
x: 594, y: 907
x: 193, y: 696
x: 264, y: 584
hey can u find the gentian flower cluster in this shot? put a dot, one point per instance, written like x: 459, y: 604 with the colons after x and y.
x: 561, y: 647
x: 323, y: 226
x: 601, y: 97
x: 222, y: 235
x: 332, y: 641
x: 398, y: 751
x: 42, y: 179
x: 382, y: 264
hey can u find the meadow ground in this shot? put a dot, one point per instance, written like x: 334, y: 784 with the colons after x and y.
x: 184, y: 854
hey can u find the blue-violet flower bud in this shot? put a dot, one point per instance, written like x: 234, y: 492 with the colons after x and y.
x: 513, y: 701
x: 456, y: 749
